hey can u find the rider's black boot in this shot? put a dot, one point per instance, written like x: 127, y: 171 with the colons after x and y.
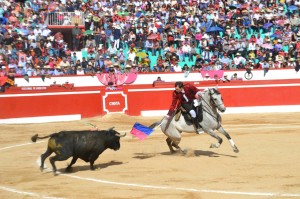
x: 197, y: 125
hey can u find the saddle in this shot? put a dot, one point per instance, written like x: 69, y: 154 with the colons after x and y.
x: 188, y: 119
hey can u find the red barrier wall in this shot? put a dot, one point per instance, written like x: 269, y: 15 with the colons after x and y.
x: 133, y: 99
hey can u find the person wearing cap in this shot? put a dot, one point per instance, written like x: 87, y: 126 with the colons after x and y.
x: 291, y: 63
x: 80, y: 71
x: 131, y: 55
x: 186, y: 49
x: 107, y: 62
x: 121, y: 56
x: 239, y: 61
x: 111, y: 77
x: 183, y: 97
x: 117, y: 36
x: 100, y: 62
x: 206, y: 54
x: 20, y: 71
x: 111, y: 50
x: 226, y: 61
x: 64, y: 63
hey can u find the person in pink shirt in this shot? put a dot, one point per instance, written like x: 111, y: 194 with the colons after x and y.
x: 198, y: 37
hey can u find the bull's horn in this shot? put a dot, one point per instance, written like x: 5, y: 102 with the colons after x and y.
x: 110, y: 128
x: 121, y: 135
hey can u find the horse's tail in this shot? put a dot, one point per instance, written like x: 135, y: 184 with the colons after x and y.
x: 155, y: 124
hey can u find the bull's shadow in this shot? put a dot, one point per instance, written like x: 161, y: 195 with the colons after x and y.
x: 100, y: 166
x: 198, y: 153
x: 144, y: 155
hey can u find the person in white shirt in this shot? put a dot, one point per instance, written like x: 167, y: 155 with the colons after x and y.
x: 153, y: 28
x: 259, y: 40
x: 31, y: 36
x: 46, y: 32
x: 269, y: 16
x: 186, y: 49
x: 64, y: 63
x: 131, y: 55
x: 177, y: 68
x: 239, y: 61
x: 252, y: 46
x: 37, y: 30
x: 79, y: 71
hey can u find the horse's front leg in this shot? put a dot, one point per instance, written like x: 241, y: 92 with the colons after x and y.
x: 169, y: 142
x: 213, y: 134
x: 234, y: 147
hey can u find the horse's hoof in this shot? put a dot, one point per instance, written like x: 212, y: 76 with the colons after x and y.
x: 215, y: 145
x: 236, y: 150
x: 172, y: 151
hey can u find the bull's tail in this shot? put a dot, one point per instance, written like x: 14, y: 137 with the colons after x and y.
x: 36, y: 136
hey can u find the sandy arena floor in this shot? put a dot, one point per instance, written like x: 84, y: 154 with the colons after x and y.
x: 268, y: 165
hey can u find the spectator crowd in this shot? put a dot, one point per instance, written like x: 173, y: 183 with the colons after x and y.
x: 144, y: 36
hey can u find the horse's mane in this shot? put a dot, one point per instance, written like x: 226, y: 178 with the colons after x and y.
x: 216, y: 91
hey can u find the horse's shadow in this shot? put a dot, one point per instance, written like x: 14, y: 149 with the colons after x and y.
x: 101, y: 166
x: 187, y: 153
x: 190, y: 153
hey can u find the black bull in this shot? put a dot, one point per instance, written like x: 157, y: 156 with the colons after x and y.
x: 86, y: 145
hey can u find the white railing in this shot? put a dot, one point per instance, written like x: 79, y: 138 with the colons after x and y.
x: 65, y: 18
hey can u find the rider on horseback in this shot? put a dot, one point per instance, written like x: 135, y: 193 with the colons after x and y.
x: 184, y: 95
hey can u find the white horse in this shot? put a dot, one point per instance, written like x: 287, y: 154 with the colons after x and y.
x: 212, y: 101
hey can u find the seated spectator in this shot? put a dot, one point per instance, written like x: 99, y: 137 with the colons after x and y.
x: 239, y: 61
x: 158, y: 79
x: 80, y: 71
x: 235, y: 77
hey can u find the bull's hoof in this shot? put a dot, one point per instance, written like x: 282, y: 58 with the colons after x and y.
x: 55, y: 173
x: 68, y: 169
x: 41, y: 169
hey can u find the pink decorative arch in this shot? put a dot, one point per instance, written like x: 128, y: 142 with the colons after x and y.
x: 126, y: 78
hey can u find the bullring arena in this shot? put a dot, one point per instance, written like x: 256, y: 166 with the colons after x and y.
x: 266, y: 167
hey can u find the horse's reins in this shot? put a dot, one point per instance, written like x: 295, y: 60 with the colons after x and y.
x: 207, y: 111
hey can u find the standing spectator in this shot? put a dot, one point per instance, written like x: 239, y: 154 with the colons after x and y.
x: 265, y: 66
x: 117, y: 35
x: 76, y: 35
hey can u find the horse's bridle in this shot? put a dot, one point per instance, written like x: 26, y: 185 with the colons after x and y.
x: 211, y: 98
x: 209, y: 105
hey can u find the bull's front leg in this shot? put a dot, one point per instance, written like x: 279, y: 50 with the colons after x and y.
x: 93, y: 158
x: 68, y: 169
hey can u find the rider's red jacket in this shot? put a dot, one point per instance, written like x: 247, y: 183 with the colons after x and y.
x: 186, y: 96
